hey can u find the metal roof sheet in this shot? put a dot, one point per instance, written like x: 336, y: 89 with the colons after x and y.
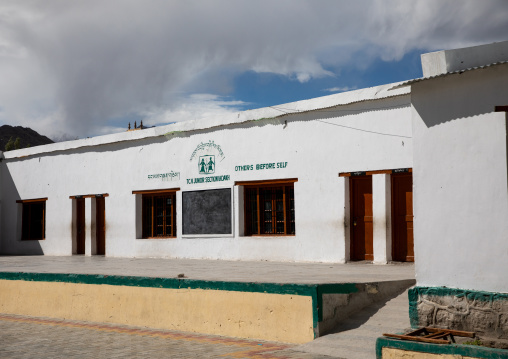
x: 272, y: 112
x: 458, y: 72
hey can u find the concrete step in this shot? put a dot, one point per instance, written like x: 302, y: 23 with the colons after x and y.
x: 355, y: 337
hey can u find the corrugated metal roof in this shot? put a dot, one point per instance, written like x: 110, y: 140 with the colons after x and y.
x: 458, y: 72
x: 292, y: 108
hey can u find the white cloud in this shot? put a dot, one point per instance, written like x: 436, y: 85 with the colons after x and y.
x: 197, y: 106
x: 340, y: 89
x: 77, y: 65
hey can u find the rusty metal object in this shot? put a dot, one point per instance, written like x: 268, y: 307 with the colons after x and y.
x: 432, y: 335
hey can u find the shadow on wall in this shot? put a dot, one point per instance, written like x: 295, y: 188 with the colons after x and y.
x: 11, y: 216
x: 459, y: 96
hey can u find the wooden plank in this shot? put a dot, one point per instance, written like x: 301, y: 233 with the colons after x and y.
x: 152, y: 191
x: 368, y: 173
x: 437, y: 335
x: 401, y: 170
x: 458, y: 333
x: 266, y: 182
x: 375, y: 172
x: 98, y: 195
x: 418, y: 331
x: 417, y: 339
x: 32, y: 200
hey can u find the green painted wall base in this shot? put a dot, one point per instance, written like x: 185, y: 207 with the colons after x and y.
x: 314, y: 291
x: 440, y: 349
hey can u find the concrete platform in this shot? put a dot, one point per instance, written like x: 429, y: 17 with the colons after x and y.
x: 285, y: 302
x: 243, y: 271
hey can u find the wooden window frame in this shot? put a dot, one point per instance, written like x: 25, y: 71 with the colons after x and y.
x: 98, y: 195
x: 151, y: 217
x: 377, y: 172
x: 289, y: 224
x: 26, y: 223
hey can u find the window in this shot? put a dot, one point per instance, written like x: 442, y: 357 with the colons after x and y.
x: 33, y: 222
x: 270, y: 209
x: 159, y: 215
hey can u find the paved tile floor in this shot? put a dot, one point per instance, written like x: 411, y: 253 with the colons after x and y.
x: 242, y: 271
x: 24, y: 337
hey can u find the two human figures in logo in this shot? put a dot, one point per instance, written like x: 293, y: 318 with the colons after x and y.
x: 207, y: 165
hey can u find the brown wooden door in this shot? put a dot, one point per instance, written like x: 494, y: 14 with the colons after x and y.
x: 402, y: 217
x: 80, y: 226
x: 361, y: 218
x: 100, y: 225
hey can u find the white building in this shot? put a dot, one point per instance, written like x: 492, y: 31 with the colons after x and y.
x: 326, y: 180
x: 460, y: 173
x: 258, y: 185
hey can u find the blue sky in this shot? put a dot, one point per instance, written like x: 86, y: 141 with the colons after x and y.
x: 265, y: 89
x: 84, y: 68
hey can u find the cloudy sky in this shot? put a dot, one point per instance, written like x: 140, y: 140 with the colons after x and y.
x: 85, y: 68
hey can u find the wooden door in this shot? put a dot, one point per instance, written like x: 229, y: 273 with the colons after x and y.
x: 361, y: 218
x: 100, y: 225
x: 80, y: 226
x: 402, y: 217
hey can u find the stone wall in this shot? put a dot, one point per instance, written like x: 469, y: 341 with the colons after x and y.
x: 485, y: 313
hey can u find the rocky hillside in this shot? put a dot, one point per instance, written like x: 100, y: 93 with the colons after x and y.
x: 27, y: 136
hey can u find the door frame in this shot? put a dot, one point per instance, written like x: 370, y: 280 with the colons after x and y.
x: 100, y: 221
x: 352, y: 257
x: 393, y: 215
x: 80, y: 224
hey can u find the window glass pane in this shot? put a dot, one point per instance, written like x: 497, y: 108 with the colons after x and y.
x: 161, y: 217
x: 147, y: 217
x: 254, y: 218
x: 170, y: 216
x: 291, y: 229
x: 254, y: 227
x: 32, y: 226
x: 25, y: 234
x: 275, y: 210
x: 36, y: 220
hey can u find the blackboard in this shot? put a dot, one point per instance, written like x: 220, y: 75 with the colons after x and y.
x: 207, y: 212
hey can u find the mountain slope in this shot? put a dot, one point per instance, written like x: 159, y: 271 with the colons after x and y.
x: 27, y: 136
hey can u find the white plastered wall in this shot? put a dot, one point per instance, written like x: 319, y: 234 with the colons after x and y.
x: 460, y: 180
x: 316, y: 146
x: 381, y: 210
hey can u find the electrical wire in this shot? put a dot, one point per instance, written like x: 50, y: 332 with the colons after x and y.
x: 362, y: 130
x: 282, y: 109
